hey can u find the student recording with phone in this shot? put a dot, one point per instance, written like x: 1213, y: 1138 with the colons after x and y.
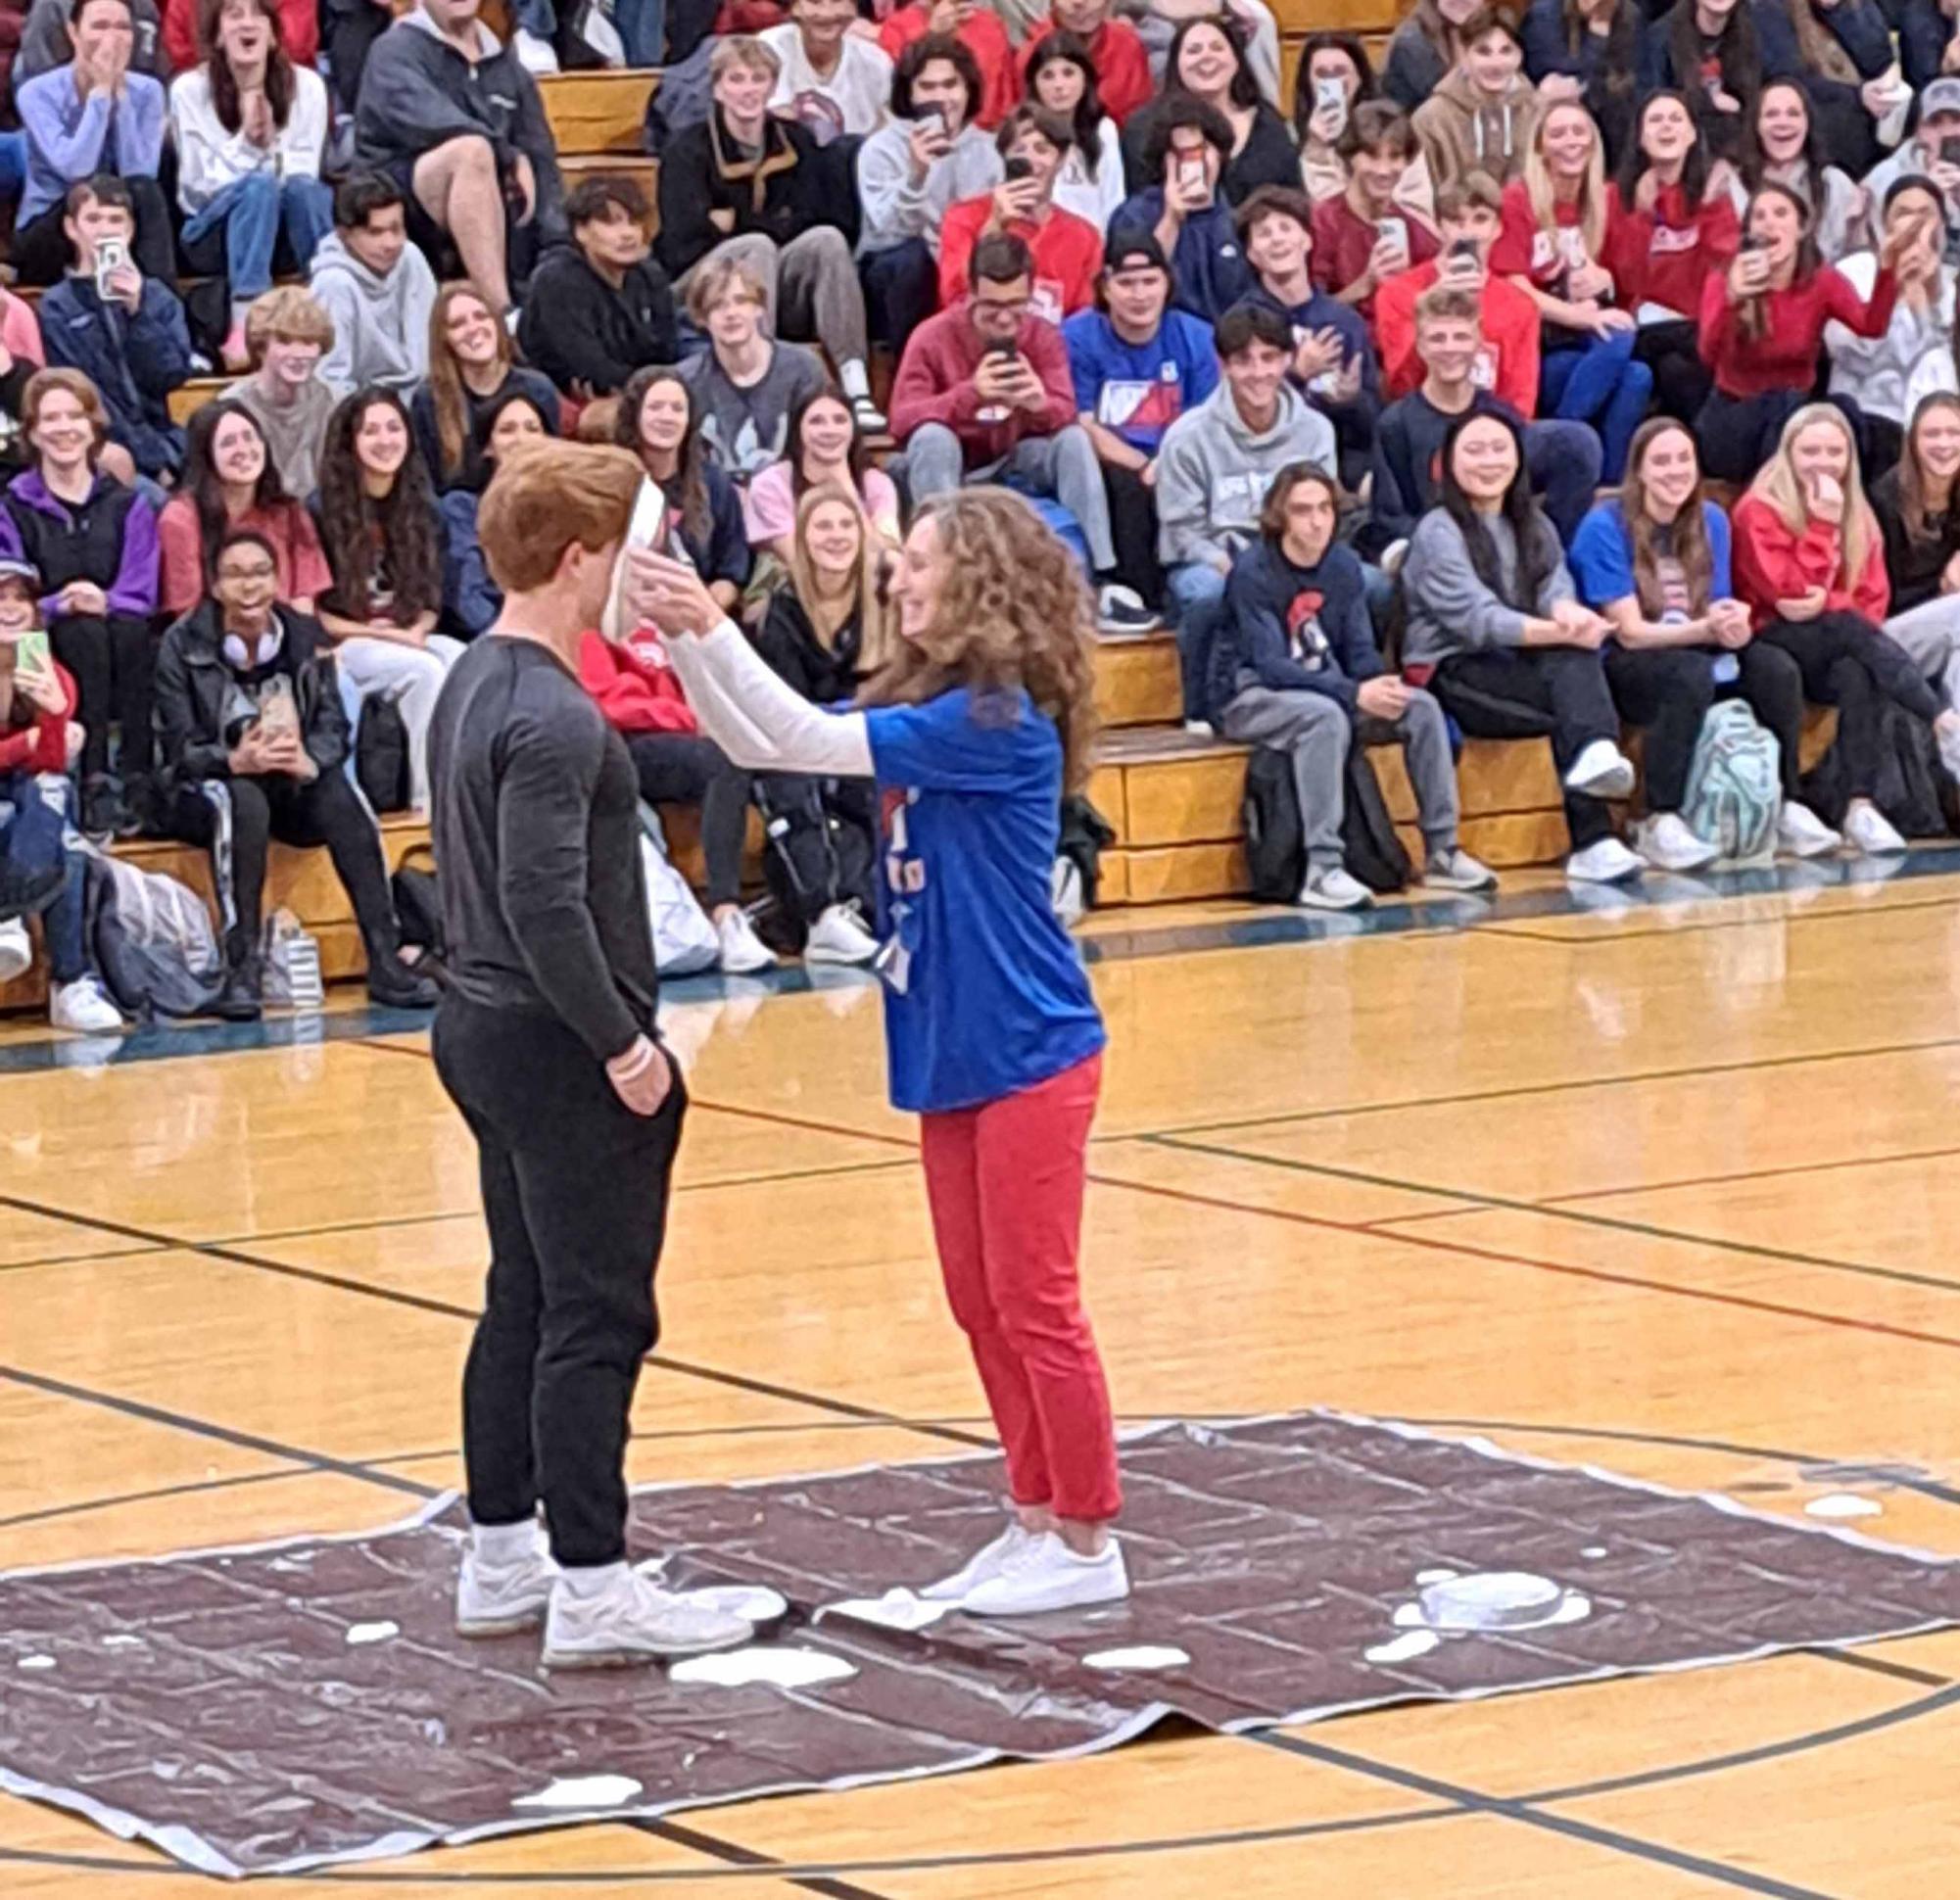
x: 1062, y: 79
x: 1208, y: 65
x: 1381, y: 221
x: 1762, y: 326
x: 978, y: 31
x: 94, y: 115
x: 1188, y: 210
x: 1334, y: 79
x: 1932, y: 152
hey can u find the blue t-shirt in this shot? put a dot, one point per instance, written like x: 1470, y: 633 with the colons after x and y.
x: 1602, y: 557
x: 985, y: 994
x: 1137, y: 389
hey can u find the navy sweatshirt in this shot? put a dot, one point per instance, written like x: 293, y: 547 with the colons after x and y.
x: 1408, y: 448
x: 1293, y: 629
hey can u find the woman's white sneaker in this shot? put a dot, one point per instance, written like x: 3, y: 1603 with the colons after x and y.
x: 501, y: 1599
x: 1602, y: 771
x: 837, y: 936
x: 1868, y: 829
x: 1665, y: 842
x: 1046, y: 1575
x: 981, y: 1568
x: 1603, y: 863
x: 633, y: 1620
x: 1801, y: 832
x: 741, y: 950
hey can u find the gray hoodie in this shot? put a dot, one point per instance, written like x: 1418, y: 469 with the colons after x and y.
x: 894, y: 208
x: 1212, y: 472
x: 380, y: 324
x: 1451, y: 611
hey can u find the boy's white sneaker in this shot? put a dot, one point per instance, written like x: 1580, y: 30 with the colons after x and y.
x: 633, y: 1620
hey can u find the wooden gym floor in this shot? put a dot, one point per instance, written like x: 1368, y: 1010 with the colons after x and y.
x: 1666, y: 1189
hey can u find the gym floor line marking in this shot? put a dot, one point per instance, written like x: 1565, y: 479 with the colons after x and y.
x: 1575, y: 940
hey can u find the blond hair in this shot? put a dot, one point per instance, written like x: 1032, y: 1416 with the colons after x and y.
x: 287, y: 314
x: 543, y: 497
x: 1780, y: 488
x: 714, y: 277
x: 827, y: 618
x: 1544, y: 194
x: 745, y: 51
x: 1012, y: 613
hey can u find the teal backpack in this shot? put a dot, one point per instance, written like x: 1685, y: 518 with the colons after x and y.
x: 1735, y: 790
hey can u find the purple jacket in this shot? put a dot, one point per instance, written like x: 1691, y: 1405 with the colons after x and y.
x: 110, y: 539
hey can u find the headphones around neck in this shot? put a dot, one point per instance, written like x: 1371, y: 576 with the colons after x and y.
x: 244, y: 658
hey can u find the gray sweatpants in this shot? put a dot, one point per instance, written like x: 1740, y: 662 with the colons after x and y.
x: 1062, y: 466
x: 1315, y: 732
x: 1930, y: 634
x: 811, y: 284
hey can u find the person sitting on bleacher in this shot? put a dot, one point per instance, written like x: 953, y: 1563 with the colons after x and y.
x: 122, y: 330
x: 231, y: 482
x: 20, y: 354
x: 1216, y: 464
x: 1496, y: 632
x: 48, y: 40
x: 968, y: 24
x: 247, y: 704
x: 1380, y: 221
x: 376, y: 287
x: 1123, y: 67
x: 1062, y: 79
x: 1184, y: 203
x: 600, y: 307
x: 383, y: 542
x: 93, y: 541
x: 250, y: 128
x: 94, y: 115
x: 829, y: 80
x: 286, y: 335
x: 1137, y: 366
x: 825, y: 445
x: 984, y: 394
x: 1209, y: 62
x: 472, y: 367
x: 909, y: 171
x: 299, y: 31
x: 472, y: 597
x: 1294, y: 666
x: 744, y: 186
x: 1482, y: 116
x: 38, y: 742
x: 450, y: 115
x: 1065, y: 249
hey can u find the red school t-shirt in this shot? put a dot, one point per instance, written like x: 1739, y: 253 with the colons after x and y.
x: 1344, y: 241
x: 1525, y: 249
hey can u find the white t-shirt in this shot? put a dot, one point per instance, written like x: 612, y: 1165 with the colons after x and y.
x: 855, y: 98
x: 1095, y: 199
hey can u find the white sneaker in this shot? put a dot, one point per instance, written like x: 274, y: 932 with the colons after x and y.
x: 1802, y: 833
x: 633, y: 1620
x: 1602, y: 771
x: 82, y: 1005
x: 741, y: 950
x: 501, y: 1599
x: 1665, y: 842
x: 1868, y: 829
x: 1044, y: 1575
x: 1334, y: 889
x: 1456, y: 870
x: 982, y: 1567
x: 1604, y: 862
x: 871, y: 420
x: 16, y: 950
x: 1121, y: 610
x: 837, y: 936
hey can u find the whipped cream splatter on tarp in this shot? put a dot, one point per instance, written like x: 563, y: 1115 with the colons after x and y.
x: 225, y: 1706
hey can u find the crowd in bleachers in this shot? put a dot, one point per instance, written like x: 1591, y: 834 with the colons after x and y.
x: 1576, y: 372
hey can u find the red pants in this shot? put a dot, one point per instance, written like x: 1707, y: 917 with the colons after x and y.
x: 1005, y: 1181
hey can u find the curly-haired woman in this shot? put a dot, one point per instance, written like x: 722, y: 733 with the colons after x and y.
x: 972, y: 728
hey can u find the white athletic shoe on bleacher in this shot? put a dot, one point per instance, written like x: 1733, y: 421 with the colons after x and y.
x: 1665, y: 842
x: 1334, y: 889
x: 741, y: 950
x: 16, y: 950
x: 1604, y: 862
x: 83, y: 1007
x: 501, y: 1599
x: 837, y: 936
x: 1802, y: 833
x: 982, y: 1567
x: 1868, y: 829
x: 1044, y: 1575
x: 1602, y: 771
x: 633, y: 1620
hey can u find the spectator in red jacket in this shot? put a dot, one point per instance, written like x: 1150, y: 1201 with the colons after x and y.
x: 1369, y: 230
x: 978, y: 31
x: 984, y: 393
x: 1123, y: 67
x: 1762, y: 325
x: 1469, y: 214
x: 1811, y: 564
x: 1066, y: 251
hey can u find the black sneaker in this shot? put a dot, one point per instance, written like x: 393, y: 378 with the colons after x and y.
x: 394, y: 986
x: 240, y: 999
x: 1121, y: 610
x: 28, y: 893
x: 102, y: 807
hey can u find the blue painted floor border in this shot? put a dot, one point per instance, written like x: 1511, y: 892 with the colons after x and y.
x: 1257, y: 928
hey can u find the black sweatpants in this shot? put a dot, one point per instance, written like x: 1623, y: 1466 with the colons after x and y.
x: 1558, y: 692
x: 1682, y: 381
x: 1667, y: 690
x: 114, y: 661
x: 575, y: 1191
x: 325, y: 810
x: 1133, y: 533
x: 1847, y: 663
x: 1738, y: 435
x: 685, y: 769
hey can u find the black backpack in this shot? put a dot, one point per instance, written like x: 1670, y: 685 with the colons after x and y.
x: 814, y: 853
x: 1276, y: 845
x: 381, y: 756
x: 1913, y: 788
x: 1085, y: 835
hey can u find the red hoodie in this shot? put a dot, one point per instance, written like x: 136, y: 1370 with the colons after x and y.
x: 1774, y: 564
x: 1666, y: 255
x: 40, y: 745
x: 935, y: 384
x: 1785, y: 355
x: 1510, y: 338
x: 635, y: 684
x: 1067, y: 255
x: 984, y: 36
x: 1123, y: 67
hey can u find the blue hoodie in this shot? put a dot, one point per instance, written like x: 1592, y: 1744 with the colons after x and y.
x: 1293, y: 629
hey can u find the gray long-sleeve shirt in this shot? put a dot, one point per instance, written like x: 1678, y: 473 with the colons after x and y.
x: 538, y: 846
x: 1451, y: 611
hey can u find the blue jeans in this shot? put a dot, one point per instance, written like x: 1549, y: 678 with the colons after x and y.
x: 36, y: 816
x: 253, y: 211
x: 643, y: 26
x: 1197, y: 592
x: 1562, y: 459
x: 1598, y: 382
x: 13, y: 164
